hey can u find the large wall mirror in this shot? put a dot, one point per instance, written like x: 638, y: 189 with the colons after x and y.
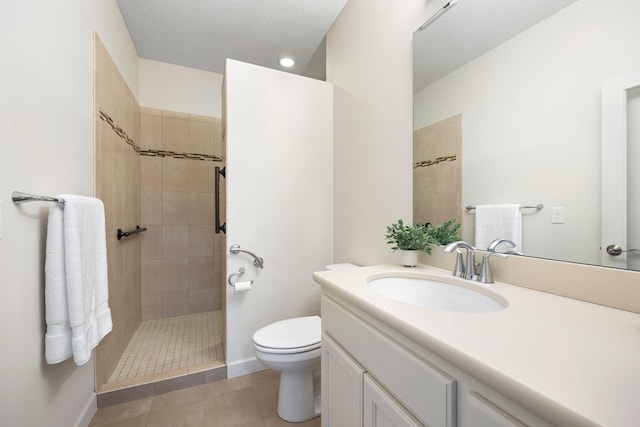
x: 508, y: 110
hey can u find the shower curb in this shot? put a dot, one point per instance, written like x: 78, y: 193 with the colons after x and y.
x: 140, y: 391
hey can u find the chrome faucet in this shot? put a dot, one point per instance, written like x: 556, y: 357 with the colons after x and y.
x: 485, y: 272
x: 493, y: 245
x: 508, y: 243
x: 470, y: 271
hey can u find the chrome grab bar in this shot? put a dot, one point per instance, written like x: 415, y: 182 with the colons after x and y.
x: 257, y: 261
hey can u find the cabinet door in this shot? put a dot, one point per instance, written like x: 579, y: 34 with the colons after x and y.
x: 483, y: 413
x: 341, y: 387
x: 382, y: 410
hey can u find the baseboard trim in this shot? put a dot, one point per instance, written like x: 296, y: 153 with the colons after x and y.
x: 88, y: 412
x: 244, y: 367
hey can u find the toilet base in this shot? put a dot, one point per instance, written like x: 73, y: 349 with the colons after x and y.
x: 296, y: 400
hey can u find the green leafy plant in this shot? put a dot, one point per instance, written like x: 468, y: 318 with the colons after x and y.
x: 446, y: 233
x: 421, y: 237
x: 409, y: 237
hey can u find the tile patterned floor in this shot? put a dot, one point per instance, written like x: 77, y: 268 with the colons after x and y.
x: 170, y: 344
x: 247, y: 401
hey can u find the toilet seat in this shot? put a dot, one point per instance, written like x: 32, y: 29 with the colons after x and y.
x: 297, y: 335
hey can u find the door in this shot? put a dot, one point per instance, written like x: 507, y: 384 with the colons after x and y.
x: 279, y: 201
x: 620, y: 181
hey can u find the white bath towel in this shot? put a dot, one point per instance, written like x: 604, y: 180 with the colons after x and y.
x: 76, y: 284
x: 498, y: 222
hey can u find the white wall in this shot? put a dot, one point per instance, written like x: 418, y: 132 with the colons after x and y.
x: 369, y: 61
x: 535, y: 101
x: 46, y: 147
x: 279, y: 199
x: 175, y: 88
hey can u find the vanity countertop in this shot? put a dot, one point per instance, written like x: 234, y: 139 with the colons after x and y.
x: 571, y: 362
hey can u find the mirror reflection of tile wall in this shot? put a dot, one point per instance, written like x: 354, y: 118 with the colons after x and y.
x: 437, y: 172
x: 180, y: 249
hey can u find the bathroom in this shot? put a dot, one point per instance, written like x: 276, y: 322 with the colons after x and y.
x: 47, y: 105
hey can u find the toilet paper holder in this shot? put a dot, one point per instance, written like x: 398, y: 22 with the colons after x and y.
x: 232, y: 276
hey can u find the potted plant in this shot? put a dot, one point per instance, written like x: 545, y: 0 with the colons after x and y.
x: 410, y: 239
x: 446, y: 233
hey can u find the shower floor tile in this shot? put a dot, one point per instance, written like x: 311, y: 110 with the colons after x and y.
x: 171, y: 346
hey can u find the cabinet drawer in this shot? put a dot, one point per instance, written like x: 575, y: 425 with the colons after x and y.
x: 422, y: 388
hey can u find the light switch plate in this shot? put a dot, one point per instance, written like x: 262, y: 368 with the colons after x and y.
x: 557, y: 215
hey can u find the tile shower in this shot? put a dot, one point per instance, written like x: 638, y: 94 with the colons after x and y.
x: 179, y: 249
x: 155, y: 168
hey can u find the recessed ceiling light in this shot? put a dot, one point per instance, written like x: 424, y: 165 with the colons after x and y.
x: 287, y: 62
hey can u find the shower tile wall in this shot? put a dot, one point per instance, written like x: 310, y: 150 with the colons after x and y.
x: 180, y: 249
x: 437, y: 173
x: 117, y: 182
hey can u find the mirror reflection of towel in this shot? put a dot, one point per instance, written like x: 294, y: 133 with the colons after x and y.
x: 498, y: 222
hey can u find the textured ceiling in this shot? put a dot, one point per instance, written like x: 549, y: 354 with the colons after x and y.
x: 203, y: 33
x: 471, y: 28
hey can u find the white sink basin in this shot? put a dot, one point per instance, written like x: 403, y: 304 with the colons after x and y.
x: 436, y: 294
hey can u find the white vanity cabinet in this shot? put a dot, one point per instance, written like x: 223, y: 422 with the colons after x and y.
x: 378, y: 377
x: 374, y: 377
x: 351, y: 397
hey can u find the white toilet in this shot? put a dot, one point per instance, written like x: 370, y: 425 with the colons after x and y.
x: 292, y: 347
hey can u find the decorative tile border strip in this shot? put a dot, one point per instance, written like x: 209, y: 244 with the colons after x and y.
x: 119, y: 131
x: 176, y: 155
x: 425, y: 163
x: 155, y: 153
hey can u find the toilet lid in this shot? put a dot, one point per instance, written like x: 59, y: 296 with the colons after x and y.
x: 299, y: 333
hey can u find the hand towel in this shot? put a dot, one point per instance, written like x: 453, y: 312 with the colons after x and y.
x: 498, y: 222
x: 76, y: 268
x: 57, y: 340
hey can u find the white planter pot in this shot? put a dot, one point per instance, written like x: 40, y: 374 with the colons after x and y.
x: 409, y: 258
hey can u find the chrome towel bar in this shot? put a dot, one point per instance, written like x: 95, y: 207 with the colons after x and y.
x: 537, y: 207
x: 19, y: 197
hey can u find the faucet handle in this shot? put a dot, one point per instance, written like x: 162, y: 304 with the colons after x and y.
x: 485, y: 270
x: 455, y: 245
x: 493, y: 245
x: 458, y: 270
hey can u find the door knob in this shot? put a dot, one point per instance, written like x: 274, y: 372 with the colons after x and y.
x: 616, y: 250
